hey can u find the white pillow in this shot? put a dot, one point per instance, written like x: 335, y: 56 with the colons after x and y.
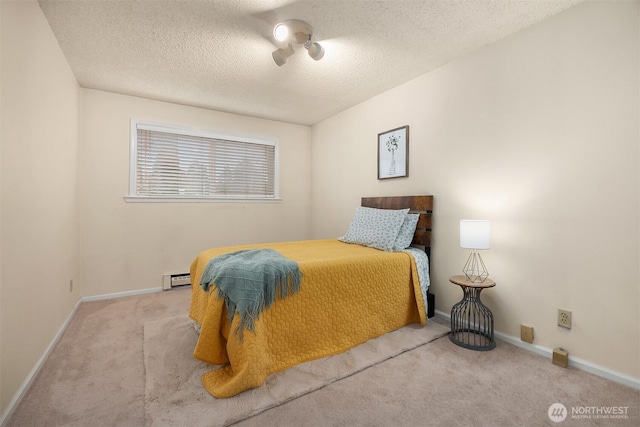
x: 376, y: 228
x: 405, y: 235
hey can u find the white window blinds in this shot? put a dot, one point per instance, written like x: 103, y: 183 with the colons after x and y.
x: 179, y: 163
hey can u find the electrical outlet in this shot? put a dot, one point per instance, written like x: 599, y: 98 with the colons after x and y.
x: 526, y: 333
x: 564, y: 318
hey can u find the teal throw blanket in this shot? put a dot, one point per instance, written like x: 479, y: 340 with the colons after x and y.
x: 249, y: 281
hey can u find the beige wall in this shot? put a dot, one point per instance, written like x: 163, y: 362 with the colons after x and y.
x: 539, y: 134
x: 128, y: 246
x: 38, y: 192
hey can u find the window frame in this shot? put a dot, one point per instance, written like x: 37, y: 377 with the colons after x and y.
x: 133, y: 197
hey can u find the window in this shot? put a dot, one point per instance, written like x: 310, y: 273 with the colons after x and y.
x: 173, y: 164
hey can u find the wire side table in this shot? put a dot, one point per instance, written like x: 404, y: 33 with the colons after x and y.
x: 472, y: 321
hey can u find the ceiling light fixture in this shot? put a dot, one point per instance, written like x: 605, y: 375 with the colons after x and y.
x: 295, y: 31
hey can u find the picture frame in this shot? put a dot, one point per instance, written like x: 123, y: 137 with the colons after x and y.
x: 393, y: 153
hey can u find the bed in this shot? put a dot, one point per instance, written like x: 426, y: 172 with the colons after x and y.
x: 349, y: 293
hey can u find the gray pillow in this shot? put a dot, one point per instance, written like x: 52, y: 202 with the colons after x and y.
x: 405, y: 236
x: 376, y: 228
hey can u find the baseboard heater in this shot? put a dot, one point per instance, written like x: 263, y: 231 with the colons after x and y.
x: 170, y: 281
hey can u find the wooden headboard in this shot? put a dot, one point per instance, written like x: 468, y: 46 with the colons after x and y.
x: 417, y: 204
x: 422, y: 237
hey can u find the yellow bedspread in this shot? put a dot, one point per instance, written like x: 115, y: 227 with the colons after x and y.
x: 349, y: 294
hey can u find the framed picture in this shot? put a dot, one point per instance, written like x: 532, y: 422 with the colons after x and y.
x: 393, y: 153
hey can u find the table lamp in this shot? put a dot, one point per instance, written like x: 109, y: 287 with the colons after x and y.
x: 475, y: 235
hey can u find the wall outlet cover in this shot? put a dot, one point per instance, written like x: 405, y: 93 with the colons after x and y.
x: 560, y: 357
x: 564, y: 318
x: 526, y: 333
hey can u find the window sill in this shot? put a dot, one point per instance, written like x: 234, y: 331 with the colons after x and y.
x: 143, y: 199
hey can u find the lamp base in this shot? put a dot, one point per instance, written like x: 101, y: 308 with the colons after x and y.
x: 475, y: 270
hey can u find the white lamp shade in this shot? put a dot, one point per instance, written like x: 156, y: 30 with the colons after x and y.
x: 475, y: 234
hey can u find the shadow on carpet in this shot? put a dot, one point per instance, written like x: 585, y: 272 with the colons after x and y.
x: 174, y: 394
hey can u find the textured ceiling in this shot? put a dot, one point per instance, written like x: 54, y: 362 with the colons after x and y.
x: 217, y: 53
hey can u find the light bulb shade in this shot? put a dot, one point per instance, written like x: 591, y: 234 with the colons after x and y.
x: 292, y: 31
x: 280, y: 32
x: 315, y: 50
x: 280, y: 55
x: 475, y: 234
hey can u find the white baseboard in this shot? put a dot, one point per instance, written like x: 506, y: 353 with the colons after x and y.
x: 576, y: 362
x: 121, y: 294
x: 17, y: 397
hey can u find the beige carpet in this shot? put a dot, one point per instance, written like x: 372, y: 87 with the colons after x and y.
x: 95, y: 376
x: 174, y: 394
